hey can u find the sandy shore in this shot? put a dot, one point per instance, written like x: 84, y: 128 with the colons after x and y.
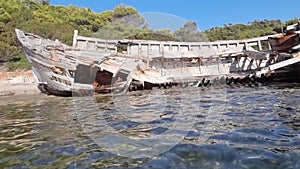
x: 17, y: 83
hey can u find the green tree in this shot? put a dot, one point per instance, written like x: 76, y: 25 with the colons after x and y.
x: 190, y: 33
x: 122, y: 10
x: 58, y: 22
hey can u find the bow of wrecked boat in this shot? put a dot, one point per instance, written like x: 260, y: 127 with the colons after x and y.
x: 64, y: 70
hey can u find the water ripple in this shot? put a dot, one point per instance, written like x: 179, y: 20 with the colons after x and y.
x: 255, y: 128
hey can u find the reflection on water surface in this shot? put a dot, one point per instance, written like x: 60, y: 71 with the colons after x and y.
x: 250, y: 128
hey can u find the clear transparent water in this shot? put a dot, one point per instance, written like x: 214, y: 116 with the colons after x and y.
x: 236, y: 127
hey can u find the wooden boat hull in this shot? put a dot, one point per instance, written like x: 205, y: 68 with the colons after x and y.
x: 70, y: 71
x: 55, y: 73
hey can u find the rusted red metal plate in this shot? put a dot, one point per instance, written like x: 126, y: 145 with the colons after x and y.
x: 284, y: 42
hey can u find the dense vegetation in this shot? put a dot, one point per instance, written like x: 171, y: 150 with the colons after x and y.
x: 252, y: 29
x: 58, y: 22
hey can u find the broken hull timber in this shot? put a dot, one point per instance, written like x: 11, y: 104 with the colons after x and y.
x: 236, y: 59
x: 284, y: 43
x: 287, y: 70
x: 43, y: 70
x: 58, y: 68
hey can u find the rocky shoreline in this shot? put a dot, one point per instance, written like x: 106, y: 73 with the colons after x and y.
x: 17, y: 83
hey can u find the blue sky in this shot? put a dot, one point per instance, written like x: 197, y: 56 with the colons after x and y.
x: 206, y: 13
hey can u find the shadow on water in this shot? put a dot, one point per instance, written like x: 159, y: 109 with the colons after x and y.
x: 259, y: 128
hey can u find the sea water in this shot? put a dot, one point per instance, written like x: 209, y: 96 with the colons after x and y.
x: 181, y: 127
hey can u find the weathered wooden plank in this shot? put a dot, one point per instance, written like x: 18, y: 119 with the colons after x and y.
x: 69, y: 79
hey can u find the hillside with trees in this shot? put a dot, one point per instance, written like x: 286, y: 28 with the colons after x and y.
x: 253, y: 29
x: 58, y: 22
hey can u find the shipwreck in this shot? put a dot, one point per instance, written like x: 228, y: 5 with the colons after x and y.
x: 102, y: 66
